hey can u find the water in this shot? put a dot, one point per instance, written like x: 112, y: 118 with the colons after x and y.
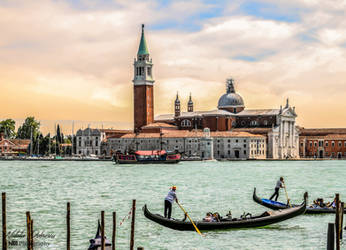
x: 43, y: 188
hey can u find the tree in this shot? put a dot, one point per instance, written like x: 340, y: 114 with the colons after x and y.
x: 59, y: 135
x: 7, y: 127
x: 30, y: 127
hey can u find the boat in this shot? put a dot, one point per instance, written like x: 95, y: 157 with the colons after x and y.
x: 148, y: 157
x: 275, y: 205
x: 249, y: 221
x: 95, y: 244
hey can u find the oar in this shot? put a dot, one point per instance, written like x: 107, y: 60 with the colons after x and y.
x: 289, y: 203
x: 188, y: 216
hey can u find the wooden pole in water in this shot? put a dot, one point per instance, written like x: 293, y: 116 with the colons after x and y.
x: 68, y: 223
x: 28, y: 230
x: 102, y: 230
x: 4, y: 237
x: 31, y: 234
x: 114, y: 230
x: 330, y: 236
x: 337, y: 221
x: 342, y: 218
x: 133, y: 224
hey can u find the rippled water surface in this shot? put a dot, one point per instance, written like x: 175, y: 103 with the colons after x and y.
x: 43, y: 188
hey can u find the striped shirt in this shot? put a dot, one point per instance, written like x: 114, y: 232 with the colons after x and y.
x: 171, y: 196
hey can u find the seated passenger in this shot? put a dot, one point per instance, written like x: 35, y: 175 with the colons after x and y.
x: 332, y: 204
x: 208, y: 217
x: 216, y: 217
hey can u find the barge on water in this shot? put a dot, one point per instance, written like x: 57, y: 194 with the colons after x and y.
x: 147, y: 157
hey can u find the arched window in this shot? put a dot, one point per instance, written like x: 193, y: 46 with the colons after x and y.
x: 253, y: 123
x: 186, y: 123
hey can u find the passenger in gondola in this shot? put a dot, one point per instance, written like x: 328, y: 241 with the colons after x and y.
x: 208, y: 217
x: 332, y: 204
x: 170, y: 198
x: 279, y: 184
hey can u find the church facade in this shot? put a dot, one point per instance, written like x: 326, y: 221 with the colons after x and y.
x: 234, y: 131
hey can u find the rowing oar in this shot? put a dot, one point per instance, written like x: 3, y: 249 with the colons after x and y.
x: 188, y: 216
x: 288, y: 200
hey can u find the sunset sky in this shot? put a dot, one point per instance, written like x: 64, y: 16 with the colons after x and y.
x: 72, y: 60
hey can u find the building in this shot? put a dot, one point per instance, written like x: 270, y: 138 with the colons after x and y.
x: 143, y: 86
x: 328, y: 143
x: 277, y: 125
x: 193, y: 144
x: 89, y: 141
x: 13, y: 146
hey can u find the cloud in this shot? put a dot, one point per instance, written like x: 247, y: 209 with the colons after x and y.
x: 74, y: 61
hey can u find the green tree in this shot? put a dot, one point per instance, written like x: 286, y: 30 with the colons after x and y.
x: 29, y: 126
x: 8, y: 127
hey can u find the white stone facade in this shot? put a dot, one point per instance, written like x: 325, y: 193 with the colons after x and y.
x: 195, y: 145
x: 88, y: 141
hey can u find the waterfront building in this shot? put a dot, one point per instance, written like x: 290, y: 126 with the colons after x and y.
x: 89, y: 141
x: 193, y: 144
x: 328, y: 143
x: 13, y: 146
x: 277, y: 125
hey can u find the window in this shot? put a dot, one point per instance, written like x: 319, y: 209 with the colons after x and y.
x: 149, y: 71
x: 229, y: 152
x: 333, y: 143
x: 315, y: 144
x: 340, y: 143
x: 186, y: 123
x: 344, y: 143
x: 230, y: 141
x: 244, y: 152
x: 310, y: 143
x: 253, y: 123
x: 320, y: 143
x: 96, y: 152
x: 244, y: 145
x: 265, y: 122
x: 236, y: 141
x: 96, y: 143
x: 79, y: 144
x: 326, y: 143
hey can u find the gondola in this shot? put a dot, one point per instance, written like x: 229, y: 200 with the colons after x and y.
x: 95, y: 244
x: 275, y: 205
x: 267, y: 218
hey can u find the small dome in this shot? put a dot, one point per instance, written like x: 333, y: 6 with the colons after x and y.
x: 230, y: 100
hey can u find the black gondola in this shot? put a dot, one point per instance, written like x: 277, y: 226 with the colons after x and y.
x: 95, y: 244
x: 275, y: 205
x: 267, y: 218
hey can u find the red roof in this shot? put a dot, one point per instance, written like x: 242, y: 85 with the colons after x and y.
x: 151, y: 152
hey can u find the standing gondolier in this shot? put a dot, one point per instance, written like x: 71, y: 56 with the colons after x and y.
x: 170, y: 198
x: 279, y: 184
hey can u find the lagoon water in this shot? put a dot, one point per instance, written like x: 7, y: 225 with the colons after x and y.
x: 43, y: 188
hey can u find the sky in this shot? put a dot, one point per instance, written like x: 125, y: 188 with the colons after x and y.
x: 72, y: 60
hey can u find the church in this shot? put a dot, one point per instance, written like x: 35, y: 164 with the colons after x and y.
x: 278, y: 125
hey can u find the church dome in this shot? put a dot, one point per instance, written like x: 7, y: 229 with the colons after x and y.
x: 231, y: 101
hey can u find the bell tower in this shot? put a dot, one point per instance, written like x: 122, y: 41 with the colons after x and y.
x: 143, y: 86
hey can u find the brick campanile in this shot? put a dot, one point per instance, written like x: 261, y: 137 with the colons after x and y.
x: 143, y: 86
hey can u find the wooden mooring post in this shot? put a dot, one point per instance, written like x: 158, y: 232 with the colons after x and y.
x: 114, y: 231
x: 132, y: 240
x: 68, y: 224
x: 339, y: 214
x: 102, y: 230
x: 4, y: 233
x: 28, y: 230
x: 32, y: 234
x: 330, y: 236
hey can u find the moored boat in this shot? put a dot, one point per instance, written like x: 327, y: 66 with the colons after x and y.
x: 275, y: 205
x: 264, y: 219
x: 95, y: 244
x: 148, y: 157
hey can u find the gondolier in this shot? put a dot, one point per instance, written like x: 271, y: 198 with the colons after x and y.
x: 279, y: 184
x: 170, y: 198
